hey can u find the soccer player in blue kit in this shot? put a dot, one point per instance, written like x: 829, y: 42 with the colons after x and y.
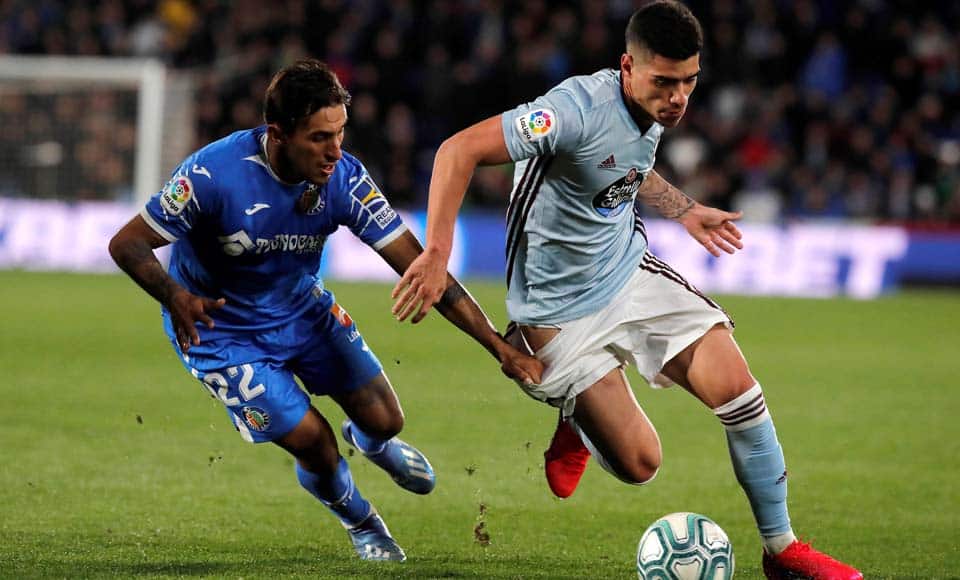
x: 587, y: 297
x: 246, y: 312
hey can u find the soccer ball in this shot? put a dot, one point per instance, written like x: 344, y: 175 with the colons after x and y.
x: 684, y: 546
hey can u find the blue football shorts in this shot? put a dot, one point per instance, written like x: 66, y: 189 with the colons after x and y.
x: 252, y: 373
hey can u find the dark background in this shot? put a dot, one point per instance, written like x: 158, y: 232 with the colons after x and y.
x: 805, y: 109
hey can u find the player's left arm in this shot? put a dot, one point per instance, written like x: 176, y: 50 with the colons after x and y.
x: 712, y: 227
x: 460, y: 308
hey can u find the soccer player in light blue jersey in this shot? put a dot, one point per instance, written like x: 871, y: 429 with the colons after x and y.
x: 586, y: 295
x: 248, y: 216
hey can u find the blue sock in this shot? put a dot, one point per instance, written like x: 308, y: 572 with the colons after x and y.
x: 368, y: 445
x: 343, y: 497
x: 757, y: 460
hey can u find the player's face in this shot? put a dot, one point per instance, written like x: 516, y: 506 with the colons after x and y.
x: 660, y: 86
x: 312, y: 150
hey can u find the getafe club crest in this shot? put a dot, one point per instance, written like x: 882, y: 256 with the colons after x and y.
x: 311, y: 200
x: 256, y: 418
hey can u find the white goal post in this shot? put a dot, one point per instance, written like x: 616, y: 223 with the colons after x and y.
x: 162, y: 120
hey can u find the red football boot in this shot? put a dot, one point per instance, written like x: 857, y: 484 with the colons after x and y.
x: 801, y: 561
x: 565, y: 460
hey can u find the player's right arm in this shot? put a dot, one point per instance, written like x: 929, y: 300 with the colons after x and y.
x: 425, y: 280
x: 132, y: 249
x: 168, y: 216
x: 712, y: 227
x: 461, y: 309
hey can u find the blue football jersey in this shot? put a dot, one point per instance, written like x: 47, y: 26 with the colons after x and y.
x: 573, y: 239
x: 237, y: 232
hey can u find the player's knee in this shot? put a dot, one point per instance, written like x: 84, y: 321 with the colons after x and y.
x: 645, y: 478
x: 736, y: 387
x: 311, y: 443
x: 385, y: 426
x: 319, y: 458
x: 636, y: 470
x: 642, y: 471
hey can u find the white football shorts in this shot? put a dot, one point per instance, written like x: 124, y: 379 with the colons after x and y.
x: 653, y: 318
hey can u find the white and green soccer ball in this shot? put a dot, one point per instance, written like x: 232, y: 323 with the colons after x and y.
x: 684, y: 546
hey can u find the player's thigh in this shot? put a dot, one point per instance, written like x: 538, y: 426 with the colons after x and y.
x: 712, y: 368
x: 663, y: 316
x: 609, y: 414
x: 261, y: 398
x: 574, y: 355
x: 335, y: 360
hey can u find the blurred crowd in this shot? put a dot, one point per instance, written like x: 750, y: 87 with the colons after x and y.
x: 73, y: 144
x: 805, y: 109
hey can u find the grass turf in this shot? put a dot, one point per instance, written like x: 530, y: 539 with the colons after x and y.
x: 117, y: 464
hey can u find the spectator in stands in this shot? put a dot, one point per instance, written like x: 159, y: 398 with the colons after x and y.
x: 838, y: 77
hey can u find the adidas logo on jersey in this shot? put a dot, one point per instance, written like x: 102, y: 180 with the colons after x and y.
x: 608, y: 163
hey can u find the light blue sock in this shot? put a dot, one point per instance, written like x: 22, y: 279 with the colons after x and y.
x: 343, y: 499
x: 758, y: 461
x: 367, y: 444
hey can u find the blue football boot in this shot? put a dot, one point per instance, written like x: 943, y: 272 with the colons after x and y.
x: 406, y: 465
x: 372, y: 540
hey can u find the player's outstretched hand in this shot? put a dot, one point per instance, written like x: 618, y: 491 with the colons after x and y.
x: 521, y: 367
x: 713, y: 228
x: 420, y: 287
x: 186, y: 310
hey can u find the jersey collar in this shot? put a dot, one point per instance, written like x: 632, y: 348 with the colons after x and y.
x: 261, y: 159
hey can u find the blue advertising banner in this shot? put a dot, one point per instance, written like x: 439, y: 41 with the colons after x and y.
x: 798, y: 259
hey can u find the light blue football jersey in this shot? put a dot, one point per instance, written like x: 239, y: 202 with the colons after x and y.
x: 573, y: 237
x: 238, y: 234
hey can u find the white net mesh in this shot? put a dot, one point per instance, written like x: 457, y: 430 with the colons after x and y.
x: 83, y: 129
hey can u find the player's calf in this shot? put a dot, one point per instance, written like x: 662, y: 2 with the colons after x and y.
x: 758, y: 464
x: 336, y: 491
x: 632, y: 463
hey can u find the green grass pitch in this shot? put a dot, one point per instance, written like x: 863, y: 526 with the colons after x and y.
x: 115, y: 463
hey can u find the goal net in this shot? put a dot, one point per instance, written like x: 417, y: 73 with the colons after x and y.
x: 89, y: 129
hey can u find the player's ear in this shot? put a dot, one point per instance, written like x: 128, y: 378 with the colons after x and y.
x: 275, y: 133
x: 626, y: 63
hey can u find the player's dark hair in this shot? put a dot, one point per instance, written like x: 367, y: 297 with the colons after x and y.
x: 666, y: 28
x: 300, y: 90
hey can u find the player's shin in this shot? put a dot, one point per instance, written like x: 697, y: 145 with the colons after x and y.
x: 338, y: 492
x: 759, y: 465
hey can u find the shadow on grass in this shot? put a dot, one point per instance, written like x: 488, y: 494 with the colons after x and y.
x: 325, y: 566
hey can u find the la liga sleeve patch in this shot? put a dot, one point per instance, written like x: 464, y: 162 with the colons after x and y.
x: 536, y: 124
x: 176, y: 194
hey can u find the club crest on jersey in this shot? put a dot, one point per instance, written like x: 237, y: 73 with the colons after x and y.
x: 311, y: 201
x: 256, y: 418
x: 536, y: 124
x: 176, y: 194
x: 618, y: 195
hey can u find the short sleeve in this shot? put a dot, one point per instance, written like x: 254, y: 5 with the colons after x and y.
x: 368, y: 214
x: 549, y: 125
x: 173, y: 210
